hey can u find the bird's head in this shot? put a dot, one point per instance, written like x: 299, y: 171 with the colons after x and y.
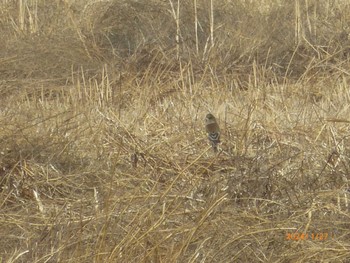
x: 209, y: 117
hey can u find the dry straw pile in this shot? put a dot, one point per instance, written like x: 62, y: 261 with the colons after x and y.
x: 104, y: 155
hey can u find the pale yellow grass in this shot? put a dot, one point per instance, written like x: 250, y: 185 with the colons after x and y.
x: 103, y: 152
x: 70, y: 191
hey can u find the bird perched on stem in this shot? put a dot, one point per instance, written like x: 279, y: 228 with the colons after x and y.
x: 213, y: 131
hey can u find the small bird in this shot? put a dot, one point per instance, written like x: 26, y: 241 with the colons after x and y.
x: 213, y: 131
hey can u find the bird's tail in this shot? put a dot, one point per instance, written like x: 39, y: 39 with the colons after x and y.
x: 214, y: 138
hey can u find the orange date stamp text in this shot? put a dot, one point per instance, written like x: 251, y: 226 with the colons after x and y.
x: 317, y: 236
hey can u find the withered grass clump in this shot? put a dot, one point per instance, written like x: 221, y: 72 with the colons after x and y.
x: 104, y: 156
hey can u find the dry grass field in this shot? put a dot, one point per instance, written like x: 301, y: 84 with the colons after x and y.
x: 104, y: 155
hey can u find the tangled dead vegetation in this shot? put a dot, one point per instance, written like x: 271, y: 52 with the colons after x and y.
x: 104, y: 155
